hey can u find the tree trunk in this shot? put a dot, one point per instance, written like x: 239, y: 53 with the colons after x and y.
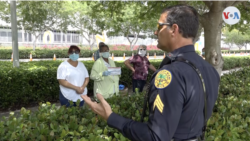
x: 34, y: 45
x: 87, y: 39
x: 130, y: 43
x: 93, y: 42
x: 34, y: 42
x: 197, y: 37
x: 131, y: 47
x: 230, y: 46
x: 136, y: 39
x: 212, y: 23
x: 240, y: 47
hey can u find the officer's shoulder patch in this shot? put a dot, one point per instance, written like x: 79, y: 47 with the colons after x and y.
x: 162, y: 79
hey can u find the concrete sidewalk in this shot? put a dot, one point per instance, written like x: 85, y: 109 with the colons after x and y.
x: 231, y: 70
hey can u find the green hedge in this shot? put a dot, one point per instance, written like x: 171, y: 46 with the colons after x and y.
x: 233, y: 62
x: 62, y: 53
x: 69, y: 124
x: 229, y: 121
x: 235, y: 51
x: 36, y: 81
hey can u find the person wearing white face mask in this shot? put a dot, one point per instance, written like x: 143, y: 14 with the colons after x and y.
x: 140, y: 68
x: 104, y: 83
x: 73, y: 78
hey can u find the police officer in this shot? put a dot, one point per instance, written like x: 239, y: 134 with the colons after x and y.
x: 176, y: 92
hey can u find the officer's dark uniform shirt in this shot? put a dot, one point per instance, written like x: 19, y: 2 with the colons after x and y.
x: 176, y: 101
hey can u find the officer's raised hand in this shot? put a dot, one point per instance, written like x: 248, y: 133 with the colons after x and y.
x: 103, y: 109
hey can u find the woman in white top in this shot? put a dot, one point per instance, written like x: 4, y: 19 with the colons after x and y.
x: 73, y: 78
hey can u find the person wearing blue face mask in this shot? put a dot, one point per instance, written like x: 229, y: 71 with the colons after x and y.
x: 73, y: 78
x: 104, y: 83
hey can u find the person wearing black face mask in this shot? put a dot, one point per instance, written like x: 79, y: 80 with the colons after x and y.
x: 140, y: 68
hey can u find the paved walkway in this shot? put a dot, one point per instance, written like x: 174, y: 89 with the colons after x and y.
x: 17, y: 112
x: 228, y: 71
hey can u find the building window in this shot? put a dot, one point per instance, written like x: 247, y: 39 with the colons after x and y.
x: 68, y: 38
x: 9, y: 37
x: 27, y: 37
x: 75, y: 38
x: 57, y: 36
x: 3, y: 36
x: 48, y: 39
x: 19, y: 36
x: 63, y: 37
x: 30, y: 37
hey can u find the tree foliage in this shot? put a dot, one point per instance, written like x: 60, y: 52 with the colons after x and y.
x: 39, y: 16
x: 230, y: 37
x: 5, y: 11
x: 134, y: 17
x: 87, y: 17
x: 235, y: 37
x: 210, y: 16
x: 127, y: 21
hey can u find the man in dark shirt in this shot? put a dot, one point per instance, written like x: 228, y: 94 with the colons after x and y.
x: 96, y: 54
x: 176, y: 93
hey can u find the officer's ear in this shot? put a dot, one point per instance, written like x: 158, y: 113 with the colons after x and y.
x: 174, y: 29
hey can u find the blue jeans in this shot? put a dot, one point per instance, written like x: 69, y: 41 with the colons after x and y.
x: 65, y: 101
x: 138, y: 84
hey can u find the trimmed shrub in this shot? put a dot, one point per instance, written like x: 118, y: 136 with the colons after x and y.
x: 229, y: 121
x: 35, y: 82
x: 63, y: 53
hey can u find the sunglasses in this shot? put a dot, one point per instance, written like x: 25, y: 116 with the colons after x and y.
x: 160, y: 25
x: 142, y: 49
x: 76, y: 52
